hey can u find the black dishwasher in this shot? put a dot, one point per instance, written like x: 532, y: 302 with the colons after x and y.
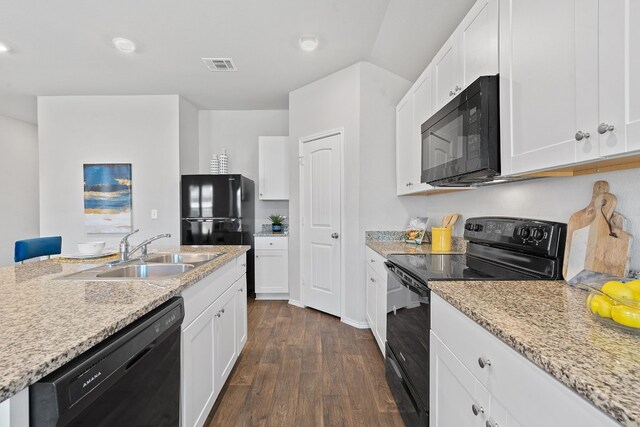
x: 130, y: 379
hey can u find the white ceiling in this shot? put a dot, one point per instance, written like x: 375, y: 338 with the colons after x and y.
x: 64, y: 47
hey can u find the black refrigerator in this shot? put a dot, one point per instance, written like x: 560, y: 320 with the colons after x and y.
x: 219, y: 210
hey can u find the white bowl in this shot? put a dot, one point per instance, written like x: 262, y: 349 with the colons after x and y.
x: 91, y: 248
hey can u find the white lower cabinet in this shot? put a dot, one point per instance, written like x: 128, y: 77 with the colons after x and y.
x: 507, y: 391
x: 213, y: 335
x: 376, y: 296
x: 271, y: 267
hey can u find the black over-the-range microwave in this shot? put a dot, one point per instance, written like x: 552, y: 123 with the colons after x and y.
x: 461, y: 142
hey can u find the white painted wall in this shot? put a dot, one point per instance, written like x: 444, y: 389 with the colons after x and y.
x: 238, y: 132
x: 548, y: 198
x: 19, y: 216
x: 361, y: 99
x: 141, y: 130
x: 189, y: 138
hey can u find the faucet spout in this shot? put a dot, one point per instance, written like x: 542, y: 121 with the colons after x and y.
x: 143, y: 246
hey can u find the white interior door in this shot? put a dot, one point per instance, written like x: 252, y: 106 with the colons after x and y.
x: 321, y: 198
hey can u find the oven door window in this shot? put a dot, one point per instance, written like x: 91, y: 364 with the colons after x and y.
x: 444, y: 145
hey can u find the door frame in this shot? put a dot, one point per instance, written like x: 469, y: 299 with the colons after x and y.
x: 310, y: 138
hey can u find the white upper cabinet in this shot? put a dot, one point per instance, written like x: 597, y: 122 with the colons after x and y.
x: 273, y: 170
x: 470, y: 52
x: 570, y: 82
x: 404, y: 145
x: 619, y: 83
x: 548, y: 84
x: 447, y: 76
x: 478, y: 42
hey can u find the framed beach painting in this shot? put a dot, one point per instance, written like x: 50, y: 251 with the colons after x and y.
x: 107, y: 198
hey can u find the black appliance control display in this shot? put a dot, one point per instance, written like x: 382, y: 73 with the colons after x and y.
x: 525, y: 235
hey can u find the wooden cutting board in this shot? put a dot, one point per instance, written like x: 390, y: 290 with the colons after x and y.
x: 608, y: 246
x: 578, y: 233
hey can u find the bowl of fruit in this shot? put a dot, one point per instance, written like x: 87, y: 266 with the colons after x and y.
x: 616, y: 303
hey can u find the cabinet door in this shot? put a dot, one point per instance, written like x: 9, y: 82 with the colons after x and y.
x: 381, y: 311
x: 478, y: 41
x: 447, y: 81
x: 371, y: 299
x: 224, y: 333
x: 198, y: 375
x: 273, y: 171
x: 422, y: 109
x: 241, y: 313
x: 404, y: 145
x: 271, y: 271
x: 499, y: 417
x: 548, y: 83
x: 619, y: 75
x: 456, y: 397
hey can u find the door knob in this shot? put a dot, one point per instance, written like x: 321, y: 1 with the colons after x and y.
x: 581, y: 135
x: 604, y: 128
x: 334, y: 235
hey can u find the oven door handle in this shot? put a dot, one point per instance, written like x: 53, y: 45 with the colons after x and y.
x: 407, y: 282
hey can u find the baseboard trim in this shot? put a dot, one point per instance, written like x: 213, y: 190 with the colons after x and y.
x: 271, y: 297
x: 351, y: 322
x: 296, y: 303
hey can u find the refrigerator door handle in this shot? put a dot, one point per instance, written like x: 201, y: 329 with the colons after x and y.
x: 211, y: 219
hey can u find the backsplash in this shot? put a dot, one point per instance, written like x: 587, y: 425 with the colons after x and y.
x: 266, y: 228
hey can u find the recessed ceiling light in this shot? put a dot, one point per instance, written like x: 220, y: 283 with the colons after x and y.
x: 308, y: 43
x: 124, y: 45
x: 4, y: 48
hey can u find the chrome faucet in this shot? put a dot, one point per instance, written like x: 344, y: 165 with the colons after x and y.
x: 124, y: 246
x: 125, y: 253
x: 143, y: 246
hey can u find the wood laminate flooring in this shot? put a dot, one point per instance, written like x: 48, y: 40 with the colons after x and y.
x: 301, y: 367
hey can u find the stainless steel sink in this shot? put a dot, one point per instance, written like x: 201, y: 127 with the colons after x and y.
x: 144, y: 271
x: 163, y: 265
x: 182, y: 258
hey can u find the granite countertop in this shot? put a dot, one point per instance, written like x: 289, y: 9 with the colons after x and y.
x: 270, y: 234
x: 45, y: 323
x: 549, y: 324
x: 388, y: 247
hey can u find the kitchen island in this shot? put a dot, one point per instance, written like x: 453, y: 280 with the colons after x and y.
x: 46, y: 322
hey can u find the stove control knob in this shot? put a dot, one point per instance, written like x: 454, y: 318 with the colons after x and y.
x: 468, y: 226
x: 537, y: 234
x: 477, y: 227
x: 525, y: 233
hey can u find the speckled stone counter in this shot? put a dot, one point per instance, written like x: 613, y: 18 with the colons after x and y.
x: 44, y: 323
x: 270, y: 234
x: 388, y: 247
x: 549, y: 324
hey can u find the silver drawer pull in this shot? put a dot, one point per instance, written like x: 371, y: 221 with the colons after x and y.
x: 372, y: 279
x: 483, y: 362
x: 373, y: 260
x: 490, y: 423
x: 604, y: 128
x: 477, y: 409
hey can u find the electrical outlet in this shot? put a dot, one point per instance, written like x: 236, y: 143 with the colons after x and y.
x: 154, y: 213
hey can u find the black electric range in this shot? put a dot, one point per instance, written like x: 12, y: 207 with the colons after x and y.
x: 498, y: 248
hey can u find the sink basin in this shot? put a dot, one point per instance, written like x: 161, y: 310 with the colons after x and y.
x: 143, y: 271
x: 182, y: 258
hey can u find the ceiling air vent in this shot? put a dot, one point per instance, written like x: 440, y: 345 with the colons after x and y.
x: 220, y: 64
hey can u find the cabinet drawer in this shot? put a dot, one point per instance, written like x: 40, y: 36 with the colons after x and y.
x: 241, y: 265
x: 203, y: 293
x: 376, y: 261
x: 529, y: 394
x: 279, y: 243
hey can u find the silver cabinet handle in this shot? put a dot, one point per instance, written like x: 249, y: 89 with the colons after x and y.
x: 261, y: 194
x: 458, y: 89
x: 483, y: 362
x: 334, y: 235
x: 243, y: 265
x: 451, y: 93
x: 222, y: 310
x: 218, y: 314
x: 270, y: 243
x: 373, y: 260
x: 240, y: 290
x: 581, y: 135
x: 490, y: 423
x: 604, y: 128
x: 477, y: 409
x: 372, y: 279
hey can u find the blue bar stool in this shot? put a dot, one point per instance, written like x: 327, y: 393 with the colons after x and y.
x: 33, y: 248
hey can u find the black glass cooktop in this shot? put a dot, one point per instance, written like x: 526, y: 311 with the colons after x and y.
x: 454, y: 267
